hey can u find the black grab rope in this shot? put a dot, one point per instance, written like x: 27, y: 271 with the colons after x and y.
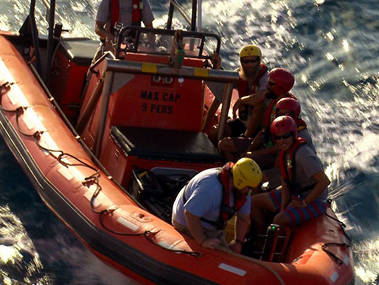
x: 331, y: 254
x: 92, y: 179
x: 342, y: 244
x: 147, y: 234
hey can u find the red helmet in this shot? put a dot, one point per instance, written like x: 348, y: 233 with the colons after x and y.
x: 283, y: 79
x: 290, y: 104
x: 282, y: 125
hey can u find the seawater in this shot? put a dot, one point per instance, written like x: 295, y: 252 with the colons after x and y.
x: 332, y: 47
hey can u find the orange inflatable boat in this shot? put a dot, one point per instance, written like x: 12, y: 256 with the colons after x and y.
x: 108, y: 151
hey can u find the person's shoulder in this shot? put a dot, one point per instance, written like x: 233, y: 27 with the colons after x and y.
x: 304, y: 149
x: 208, y: 174
x: 305, y: 154
x: 304, y: 133
x: 264, y: 68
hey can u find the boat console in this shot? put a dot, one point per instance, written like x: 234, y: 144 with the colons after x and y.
x: 140, y: 110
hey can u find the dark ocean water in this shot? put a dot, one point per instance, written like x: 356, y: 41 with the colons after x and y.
x: 333, y: 49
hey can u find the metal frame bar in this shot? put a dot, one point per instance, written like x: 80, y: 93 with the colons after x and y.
x: 175, y: 4
x: 34, y: 32
x: 198, y: 35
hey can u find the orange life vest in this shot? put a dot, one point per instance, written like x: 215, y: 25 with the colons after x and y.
x: 287, y: 165
x: 243, y: 85
x: 137, y: 7
x: 270, y: 111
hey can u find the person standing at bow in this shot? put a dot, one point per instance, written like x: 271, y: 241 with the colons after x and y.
x: 304, y: 183
x: 126, y: 12
x: 211, y: 198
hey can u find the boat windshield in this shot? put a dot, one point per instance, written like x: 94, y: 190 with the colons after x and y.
x: 160, y: 42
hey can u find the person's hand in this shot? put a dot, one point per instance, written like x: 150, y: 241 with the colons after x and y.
x: 210, y: 243
x: 236, y: 246
x: 236, y: 107
x: 216, y: 60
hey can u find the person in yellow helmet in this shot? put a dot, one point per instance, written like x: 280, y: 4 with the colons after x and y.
x: 214, y: 196
x: 251, y: 89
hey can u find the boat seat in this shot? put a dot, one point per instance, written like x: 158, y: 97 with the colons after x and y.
x: 81, y: 50
x: 163, y: 144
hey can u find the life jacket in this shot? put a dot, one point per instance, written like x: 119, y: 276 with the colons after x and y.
x: 227, y: 210
x: 269, y: 117
x: 287, y: 166
x: 270, y: 111
x: 244, y: 90
x: 243, y: 85
x: 137, y: 7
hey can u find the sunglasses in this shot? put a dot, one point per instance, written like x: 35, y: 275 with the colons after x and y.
x: 249, y: 60
x: 285, y: 136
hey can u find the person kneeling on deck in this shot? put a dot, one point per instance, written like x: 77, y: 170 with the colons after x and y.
x: 303, y: 193
x: 211, y: 198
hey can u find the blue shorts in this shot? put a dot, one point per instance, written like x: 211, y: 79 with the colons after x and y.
x: 298, y: 215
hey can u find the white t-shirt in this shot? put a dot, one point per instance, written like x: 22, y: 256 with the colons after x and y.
x: 203, y: 198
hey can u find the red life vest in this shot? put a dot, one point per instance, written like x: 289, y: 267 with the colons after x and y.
x: 137, y: 7
x: 287, y: 165
x: 243, y: 85
x: 270, y: 111
x: 227, y: 210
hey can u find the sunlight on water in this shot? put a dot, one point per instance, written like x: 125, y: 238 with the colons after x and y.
x: 368, y: 254
x: 17, y: 250
x: 332, y: 51
x: 8, y: 254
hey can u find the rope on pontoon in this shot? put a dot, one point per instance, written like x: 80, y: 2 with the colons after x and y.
x: 339, y: 244
x: 92, y: 179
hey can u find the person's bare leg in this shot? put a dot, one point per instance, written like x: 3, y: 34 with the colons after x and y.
x: 260, y: 203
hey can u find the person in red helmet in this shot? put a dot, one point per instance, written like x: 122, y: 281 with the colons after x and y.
x: 291, y: 107
x: 303, y: 192
x: 279, y: 84
x: 285, y: 106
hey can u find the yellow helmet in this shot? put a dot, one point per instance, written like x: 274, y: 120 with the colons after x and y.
x: 246, y: 172
x: 250, y: 50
